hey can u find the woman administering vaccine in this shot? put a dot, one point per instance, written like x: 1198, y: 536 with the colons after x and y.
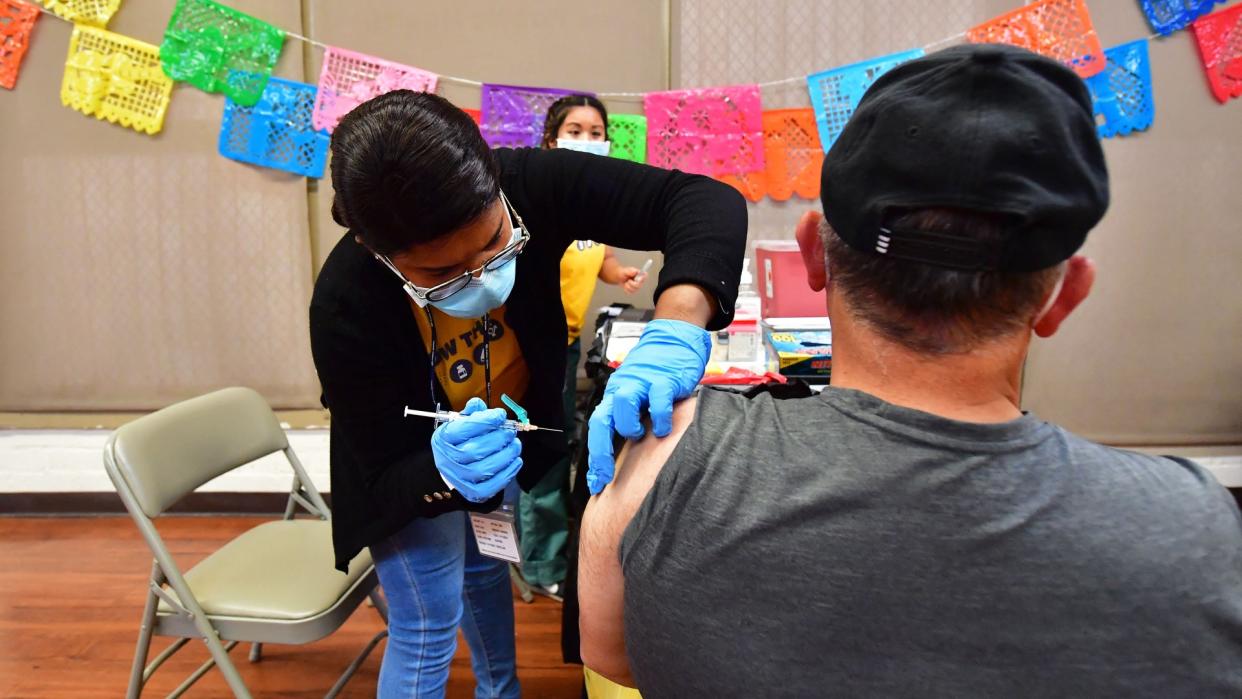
x: 576, y: 122
x: 445, y: 294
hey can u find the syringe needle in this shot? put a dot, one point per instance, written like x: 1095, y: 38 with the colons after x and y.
x: 447, y: 416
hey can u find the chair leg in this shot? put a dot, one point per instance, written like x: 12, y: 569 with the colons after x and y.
x: 136, y: 679
x: 167, y: 653
x: 256, y: 652
x: 353, y: 667
x: 220, y: 655
x: 523, y: 587
x: 198, y: 674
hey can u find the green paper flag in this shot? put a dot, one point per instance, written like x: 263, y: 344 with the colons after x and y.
x: 628, y: 134
x: 218, y: 49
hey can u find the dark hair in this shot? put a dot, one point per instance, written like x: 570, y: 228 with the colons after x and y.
x: 409, y: 167
x: 560, y: 109
x: 935, y: 310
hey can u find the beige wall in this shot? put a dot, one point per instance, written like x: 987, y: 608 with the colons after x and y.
x: 109, y: 236
x: 1152, y: 356
x: 138, y: 270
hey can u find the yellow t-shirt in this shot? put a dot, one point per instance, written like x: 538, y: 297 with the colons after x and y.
x: 459, y: 357
x: 600, y: 687
x: 579, y: 269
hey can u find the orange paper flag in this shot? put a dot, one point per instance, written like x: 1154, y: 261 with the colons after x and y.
x: 1058, y: 29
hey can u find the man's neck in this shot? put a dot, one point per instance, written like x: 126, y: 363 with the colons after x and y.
x: 983, y: 385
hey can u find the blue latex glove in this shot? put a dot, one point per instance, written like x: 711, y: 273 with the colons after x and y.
x: 664, y: 367
x: 479, y: 455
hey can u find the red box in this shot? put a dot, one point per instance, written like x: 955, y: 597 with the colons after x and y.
x: 782, y: 285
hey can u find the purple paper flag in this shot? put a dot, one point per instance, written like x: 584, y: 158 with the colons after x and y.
x: 513, y: 115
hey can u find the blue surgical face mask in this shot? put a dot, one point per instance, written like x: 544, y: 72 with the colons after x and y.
x: 490, y: 289
x: 485, y: 292
x: 596, y: 147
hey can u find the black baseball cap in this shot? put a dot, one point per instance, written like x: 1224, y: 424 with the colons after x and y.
x: 982, y: 127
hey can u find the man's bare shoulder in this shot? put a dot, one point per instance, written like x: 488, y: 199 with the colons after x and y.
x: 640, y: 462
x: 601, y: 585
x: 637, y: 467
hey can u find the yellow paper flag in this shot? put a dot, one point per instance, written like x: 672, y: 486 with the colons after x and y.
x: 93, y: 12
x: 117, y: 78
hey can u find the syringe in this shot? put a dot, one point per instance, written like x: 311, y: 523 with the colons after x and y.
x: 448, y: 416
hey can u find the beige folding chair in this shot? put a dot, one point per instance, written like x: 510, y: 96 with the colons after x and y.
x: 275, y: 583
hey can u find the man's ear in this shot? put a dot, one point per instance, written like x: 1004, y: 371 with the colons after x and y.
x: 812, y: 247
x: 1079, y: 277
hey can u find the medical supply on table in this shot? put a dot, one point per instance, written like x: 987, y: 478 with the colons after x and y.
x: 623, y: 337
x: 750, y: 358
x: 620, y: 327
x: 748, y: 302
x: 742, y: 335
x: 720, y: 348
x: 783, y: 290
x: 803, y: 347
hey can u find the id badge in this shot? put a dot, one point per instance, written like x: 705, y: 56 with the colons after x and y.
x: 496, y: 534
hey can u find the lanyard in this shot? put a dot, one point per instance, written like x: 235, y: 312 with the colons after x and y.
x: 431, y: 357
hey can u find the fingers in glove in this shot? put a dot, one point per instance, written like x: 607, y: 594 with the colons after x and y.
x: 476, y: 425
x: 600, y: 461
x: 481, y: 447
x: 503, y: 478
x: 628, y: 401
x: 504, y: 459
x: 661, y: 407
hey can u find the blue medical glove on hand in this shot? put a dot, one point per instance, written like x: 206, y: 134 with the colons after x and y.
x: 664, y: 367
x: 477, y: 455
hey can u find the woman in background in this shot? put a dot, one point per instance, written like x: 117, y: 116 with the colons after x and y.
x: 544, y: 510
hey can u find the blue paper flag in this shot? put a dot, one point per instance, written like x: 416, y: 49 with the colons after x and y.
x: 1168, y: 16
x: 277, y: 131
x: 1122, y: 91
x: 835, y: 93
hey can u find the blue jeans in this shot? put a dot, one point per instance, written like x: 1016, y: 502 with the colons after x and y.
x: 432, y: 572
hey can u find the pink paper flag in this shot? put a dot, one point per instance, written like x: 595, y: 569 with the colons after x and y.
x: 350, y: 78
x: 710, y: 131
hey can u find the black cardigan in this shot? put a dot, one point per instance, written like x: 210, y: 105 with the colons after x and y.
x: 372, y: 362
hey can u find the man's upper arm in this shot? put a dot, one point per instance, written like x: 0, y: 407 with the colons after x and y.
x: 601, y: 588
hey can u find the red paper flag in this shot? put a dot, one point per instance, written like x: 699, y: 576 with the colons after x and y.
x: 1219, y: 37
x: 17, y: 20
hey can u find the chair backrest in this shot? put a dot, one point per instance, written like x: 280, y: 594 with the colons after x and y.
x: 166, y: 455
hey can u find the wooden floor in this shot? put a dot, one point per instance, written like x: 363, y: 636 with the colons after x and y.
x: 71, y: 593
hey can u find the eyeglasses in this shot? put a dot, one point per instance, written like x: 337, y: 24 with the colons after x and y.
x: 439, y: 292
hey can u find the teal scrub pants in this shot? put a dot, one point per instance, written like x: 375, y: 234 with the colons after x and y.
x: 544, y: 510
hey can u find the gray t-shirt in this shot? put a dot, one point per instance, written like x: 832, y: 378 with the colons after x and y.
x: 839, y: 545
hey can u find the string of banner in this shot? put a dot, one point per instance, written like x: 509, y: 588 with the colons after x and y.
x: 723, y: 132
